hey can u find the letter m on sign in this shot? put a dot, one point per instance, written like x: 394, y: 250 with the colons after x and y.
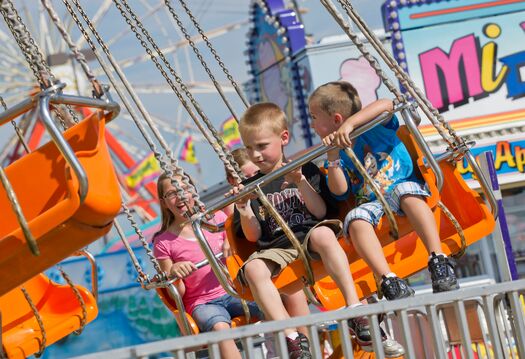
x: 460, y: 65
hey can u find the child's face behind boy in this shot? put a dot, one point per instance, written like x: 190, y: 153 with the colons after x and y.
x: 265, y: 148
x: 323, y: 123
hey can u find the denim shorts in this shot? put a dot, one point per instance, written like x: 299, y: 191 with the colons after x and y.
x: 219, y: 310
x: 372, y: 212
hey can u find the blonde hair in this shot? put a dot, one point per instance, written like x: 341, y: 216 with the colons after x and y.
x: 337, y: 97
x: 166, y: 216
x: 263, y: 115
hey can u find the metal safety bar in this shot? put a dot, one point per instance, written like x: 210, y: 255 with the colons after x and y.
x: 162, y: 284
x: 63, y: 147
x: 94, y: 271
x: 429, y: 305
x: 175, y: 295
x: 13, y: 112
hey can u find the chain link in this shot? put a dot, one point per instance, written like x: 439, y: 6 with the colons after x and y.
x: 83, y: 318
x: 142, y: 239
x: 42, y: 343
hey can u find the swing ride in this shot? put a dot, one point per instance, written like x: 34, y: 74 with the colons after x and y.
x: 79, y: 194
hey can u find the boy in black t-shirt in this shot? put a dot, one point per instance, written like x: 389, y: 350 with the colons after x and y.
x: 303, y: 200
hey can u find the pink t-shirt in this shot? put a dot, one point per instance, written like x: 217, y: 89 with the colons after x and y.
x: 201, y: 286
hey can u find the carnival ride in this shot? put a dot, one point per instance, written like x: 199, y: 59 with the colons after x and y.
x: 79, y: 194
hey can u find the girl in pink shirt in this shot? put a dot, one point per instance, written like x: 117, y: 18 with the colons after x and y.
x: 177, y: 251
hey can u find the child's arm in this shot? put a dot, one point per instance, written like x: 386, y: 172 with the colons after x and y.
x: 367, y: 114
x: 337, y: 181
x: 313, y: 201
x: 249, y: 222
x: 179, y: 269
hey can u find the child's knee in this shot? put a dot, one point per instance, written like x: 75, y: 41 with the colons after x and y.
x: 322, y: 236
x: 256, y: 270
x: 220, y: 326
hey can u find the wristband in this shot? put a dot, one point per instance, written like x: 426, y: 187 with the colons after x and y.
x: 334, y: 164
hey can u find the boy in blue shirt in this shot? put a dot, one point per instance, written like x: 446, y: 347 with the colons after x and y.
x: 336, y: 111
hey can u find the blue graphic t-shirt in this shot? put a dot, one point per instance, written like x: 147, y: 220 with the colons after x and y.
x: 385, y: 158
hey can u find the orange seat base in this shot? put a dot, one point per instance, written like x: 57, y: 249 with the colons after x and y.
x: 58, y: 307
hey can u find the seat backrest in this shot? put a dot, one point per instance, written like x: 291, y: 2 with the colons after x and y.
x: 239, y: 245
x: 421, y: 171
x: 14, y: 306
x: 172, y: 306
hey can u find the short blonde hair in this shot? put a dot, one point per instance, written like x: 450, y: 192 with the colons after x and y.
x: 337, y: 97
x: 263, y: 115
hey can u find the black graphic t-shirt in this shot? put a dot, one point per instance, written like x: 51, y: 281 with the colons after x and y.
x: 290, y: 205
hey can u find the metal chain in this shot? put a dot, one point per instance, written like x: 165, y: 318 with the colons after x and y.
x: 163, y: 164
x: 142, y: 276
x: 458, y: 228
x: 201, y: 59
x: 452, y: 138
x: 83, y: 319
x: 30, y: 50
x: 218, y: 145
x: 214, y: 52
x: 142, y: 239
x: 18, y: 131
x: 361, y: 47
x: 97, y: 88
x: 27, y: 44
x: 42, y: 343
x: 211, y: 48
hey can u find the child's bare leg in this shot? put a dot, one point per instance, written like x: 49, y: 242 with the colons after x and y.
x: 422, y: 220
x: 297, y: 306
x: 323, y: 241
x: 368, y: 247
x: 258, y: 273
x: 227, y: 348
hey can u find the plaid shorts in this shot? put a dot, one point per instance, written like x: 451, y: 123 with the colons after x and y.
x: 372, y: 212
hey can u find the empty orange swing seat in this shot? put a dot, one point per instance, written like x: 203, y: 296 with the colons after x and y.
x: 58, y: 307
x: 406, y: 256
x: 47, y: 191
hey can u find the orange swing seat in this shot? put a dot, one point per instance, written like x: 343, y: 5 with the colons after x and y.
x: 47, y: 191
x: 406, y: 255
x: 58, y: 307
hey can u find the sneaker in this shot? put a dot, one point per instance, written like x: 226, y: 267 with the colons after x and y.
x: 360, y: 329
x: 392, y: 348
x: 395, y: 288
x: 442, y: 273
x: 299, y: 348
